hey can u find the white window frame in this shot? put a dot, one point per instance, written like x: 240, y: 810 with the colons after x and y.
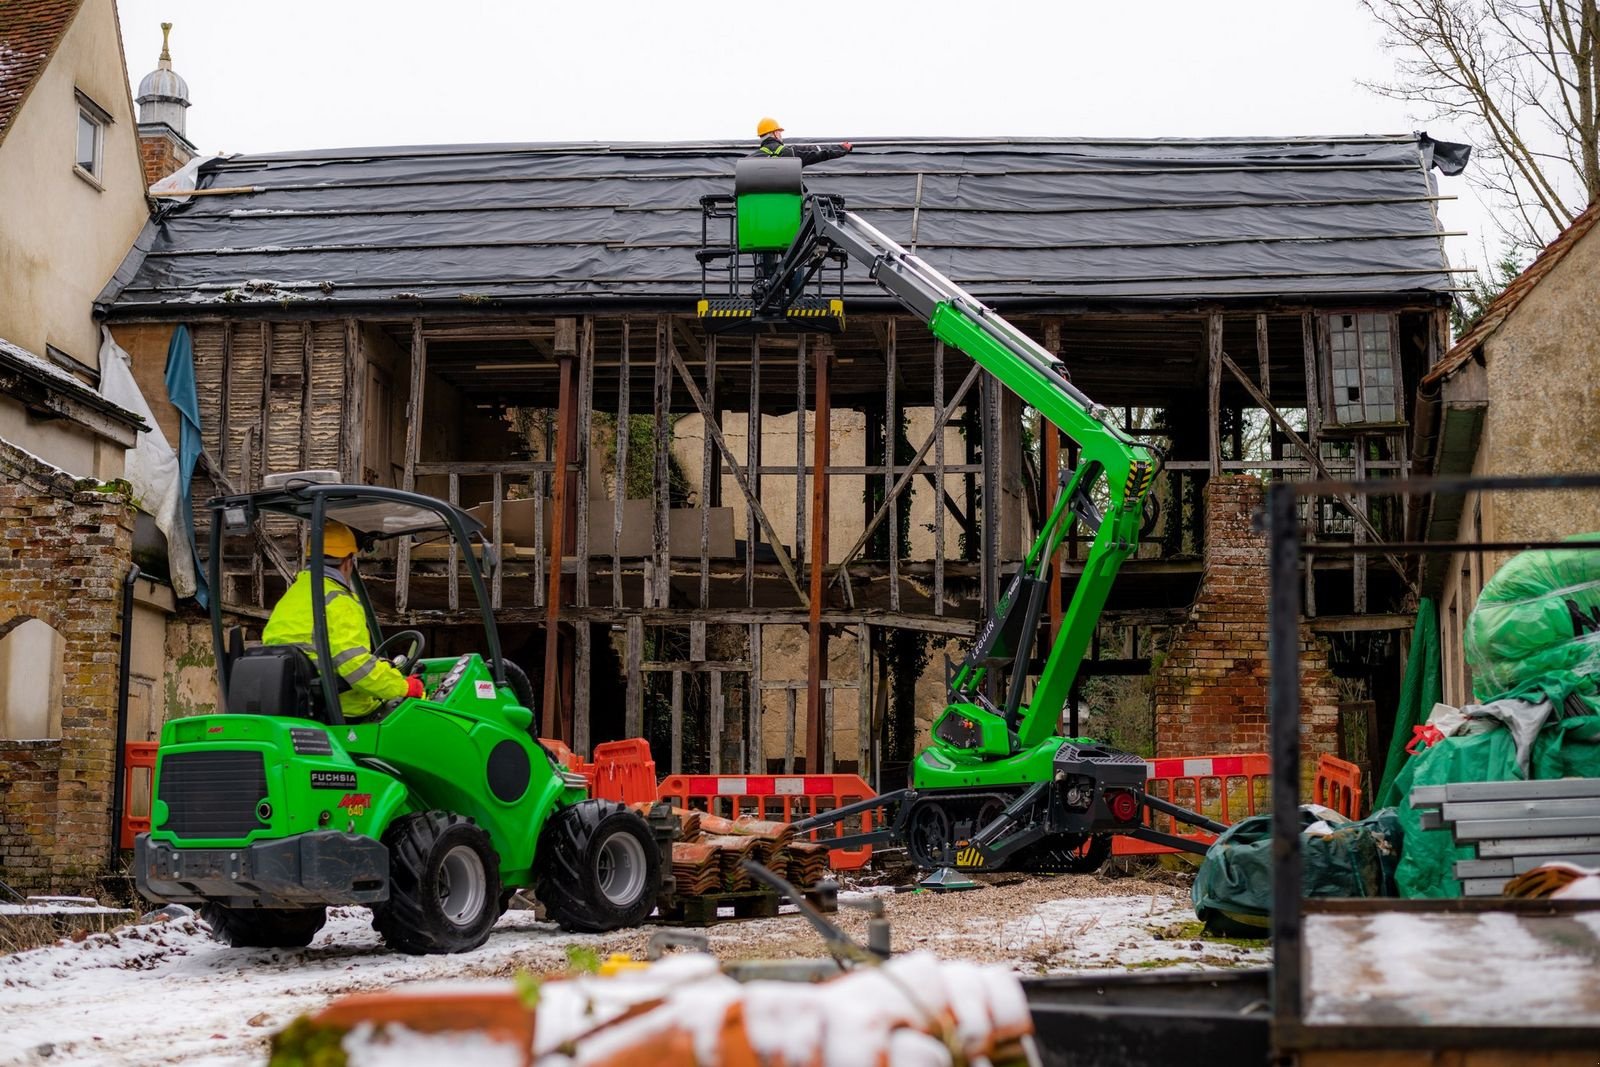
x: 99, y: 118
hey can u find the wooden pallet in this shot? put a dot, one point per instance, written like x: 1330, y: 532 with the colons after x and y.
x: 705, y: 910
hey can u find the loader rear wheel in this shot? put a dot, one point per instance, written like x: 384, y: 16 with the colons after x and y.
x: 598, y: 867
x: 444, y: 885
x: 263, y: 927
x: 1067, y: 854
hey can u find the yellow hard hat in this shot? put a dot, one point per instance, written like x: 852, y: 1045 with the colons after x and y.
x: 337, y: 541
x: 767, y: 125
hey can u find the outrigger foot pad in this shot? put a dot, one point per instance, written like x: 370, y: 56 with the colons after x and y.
x: 947, y: 878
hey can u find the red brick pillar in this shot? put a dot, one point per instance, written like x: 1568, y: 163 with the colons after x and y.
x: 65, y: 549
x: 1211, y: 689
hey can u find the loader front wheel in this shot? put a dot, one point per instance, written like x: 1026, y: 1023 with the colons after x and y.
x: 598, y: 867
x: 444, y: 885
x: 263, y: 927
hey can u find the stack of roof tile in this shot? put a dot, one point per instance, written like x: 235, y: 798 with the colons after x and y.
x: 696, y: 867
x: 808, y: 863
x: 732, y: 850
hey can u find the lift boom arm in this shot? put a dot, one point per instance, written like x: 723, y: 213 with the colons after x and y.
x: 1127, y: 466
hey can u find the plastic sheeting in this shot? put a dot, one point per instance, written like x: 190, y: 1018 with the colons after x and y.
x: 1420, y: 690
x: 1537, y: 624
x: 1338, y: 858
x: 1534, y: 652
x: 151, y: 466
x: 1010, y: 218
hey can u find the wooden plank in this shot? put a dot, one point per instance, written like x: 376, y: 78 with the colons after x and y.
x: 755, y: 744
x: 697, y: 641
x: 414, y: 416
x: 1552, y: 788
x: 497, y: 532
x: 634, y: 713
x: 866, y: 736
x: 264, y: 427
x: 1214, y: 390
x: 620, y: 492
x: 580, y: 460
x: 718, y: 711
x: 661, y: 591
x: 989, y: 554
x: 453, y: 593
x: 790, y: 705
x: 1050, y: 475
x: 1264, y: 356
x: 818, y: 736
x: 677, y: 722
x: 1521, y: 808
x: 1569, y: 826
x: 800, y: 451
x: 224, y: 453
x: 307, y: 349
x: 699, y: 666
x: 705, y: 474
x: 753, y: 465
x: 1537, y: 846
x: 353, y: 435
x: 827, y: 736
x: 565, y: 419
x: 581, y: 740
x: 891, y: 428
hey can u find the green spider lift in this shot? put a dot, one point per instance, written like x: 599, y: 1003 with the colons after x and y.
x: 431, y: 811
x: 998, y: 786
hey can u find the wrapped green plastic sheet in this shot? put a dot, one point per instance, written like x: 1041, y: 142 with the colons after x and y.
x: 1538, y: 616
x: 1532, y: 637
x: 1233, y: 889
x: 1420, y: 690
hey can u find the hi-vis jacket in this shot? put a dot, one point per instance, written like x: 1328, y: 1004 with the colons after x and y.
x: 371, y: 680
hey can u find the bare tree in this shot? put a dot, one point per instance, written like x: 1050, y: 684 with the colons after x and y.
x: 1523, y: 75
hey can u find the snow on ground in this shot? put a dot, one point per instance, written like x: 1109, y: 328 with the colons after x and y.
x: 166, y: 993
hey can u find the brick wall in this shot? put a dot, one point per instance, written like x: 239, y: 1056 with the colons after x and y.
x: 65, y: 547
x: 161, y: 155
x: 29, y: 771
x: 1211, y: 690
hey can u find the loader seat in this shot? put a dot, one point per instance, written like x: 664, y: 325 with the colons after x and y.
x: 273, y: 680
x: 768, y: 198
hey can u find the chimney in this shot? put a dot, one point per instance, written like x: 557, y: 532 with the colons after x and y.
x: 163, y: 98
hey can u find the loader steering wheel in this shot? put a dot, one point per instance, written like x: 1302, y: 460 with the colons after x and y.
x: 403, y: 661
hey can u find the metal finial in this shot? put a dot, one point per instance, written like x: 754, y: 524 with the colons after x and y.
x: 166, y: 32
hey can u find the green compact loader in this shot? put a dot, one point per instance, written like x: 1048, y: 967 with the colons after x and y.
x: 431, y: 811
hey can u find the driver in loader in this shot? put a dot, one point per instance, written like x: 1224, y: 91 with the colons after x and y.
x: 365, y: 681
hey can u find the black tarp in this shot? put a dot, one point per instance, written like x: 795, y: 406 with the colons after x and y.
x: 1083, y: 221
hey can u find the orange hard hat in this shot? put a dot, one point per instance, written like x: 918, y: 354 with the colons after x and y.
x: 338, y: 541
x: 768, y: 125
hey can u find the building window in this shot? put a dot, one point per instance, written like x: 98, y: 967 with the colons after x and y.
x: 92, y: 122
x: 1362, y: 373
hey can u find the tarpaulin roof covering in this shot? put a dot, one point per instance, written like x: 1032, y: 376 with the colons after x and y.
x: 592, y: 225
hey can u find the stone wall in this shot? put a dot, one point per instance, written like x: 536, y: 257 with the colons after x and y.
x: 65, y: 547
x: 1211, y: 689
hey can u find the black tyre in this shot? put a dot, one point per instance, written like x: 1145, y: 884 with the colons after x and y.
x: 444, y: 885
x: 263, y: 927
x: 598, y: 867
x: 1066, y: 854
x: 929, y: 842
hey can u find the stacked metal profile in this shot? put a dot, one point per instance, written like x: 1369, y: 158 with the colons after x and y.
x: 1514, y: 826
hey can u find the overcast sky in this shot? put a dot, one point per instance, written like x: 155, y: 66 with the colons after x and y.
x: 340, y: 73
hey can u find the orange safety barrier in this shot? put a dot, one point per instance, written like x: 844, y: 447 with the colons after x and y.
x: 1224, y: 789
x: 1338, y: 786
x: 623, y: 770
x: 138, y: 781
x: 564, y: 755
x: 783, y: 797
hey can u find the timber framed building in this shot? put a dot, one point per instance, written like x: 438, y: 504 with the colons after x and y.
x: 712, y: 541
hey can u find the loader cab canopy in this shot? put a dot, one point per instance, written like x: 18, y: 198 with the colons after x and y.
x: 373, y: 513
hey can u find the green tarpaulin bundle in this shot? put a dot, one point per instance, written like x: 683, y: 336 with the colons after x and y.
x: 1338, y: 858
x: 1534, y: 637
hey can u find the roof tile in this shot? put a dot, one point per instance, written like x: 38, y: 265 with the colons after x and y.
x: 30, y: 31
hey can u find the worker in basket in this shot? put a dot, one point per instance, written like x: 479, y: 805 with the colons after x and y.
x: 365, y: 681
x: 772, y: 144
